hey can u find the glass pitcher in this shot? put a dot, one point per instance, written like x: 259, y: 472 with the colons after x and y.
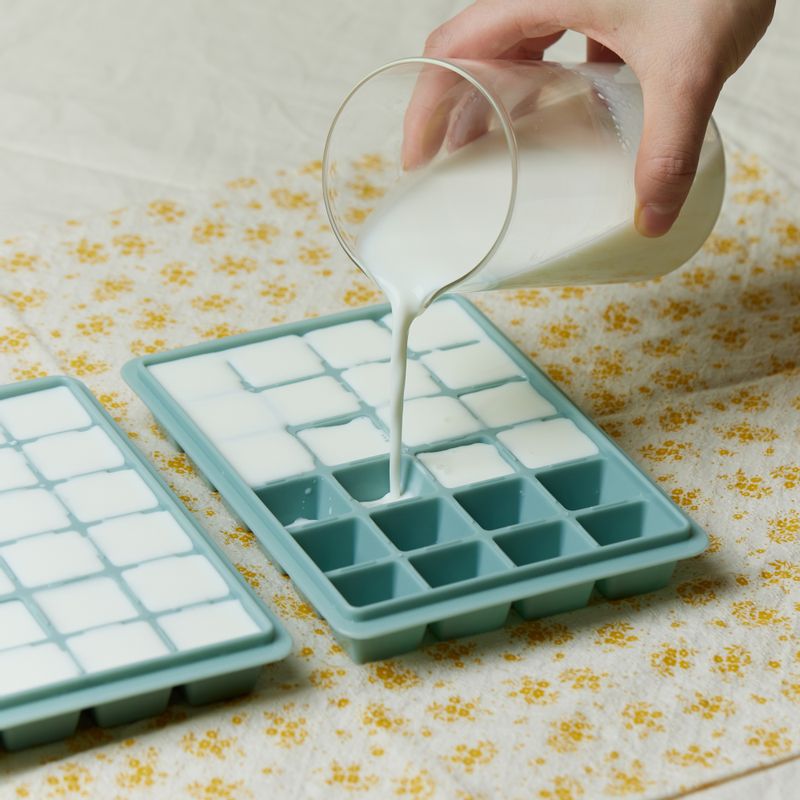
x: 502, y: 174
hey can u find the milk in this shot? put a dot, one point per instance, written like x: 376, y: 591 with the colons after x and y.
x: 116, y: 646
x: 208, y: 624
x: 175, y: 582
x: 571, y: 223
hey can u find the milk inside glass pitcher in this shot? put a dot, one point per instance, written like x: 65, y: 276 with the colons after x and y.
x: 476, y: 175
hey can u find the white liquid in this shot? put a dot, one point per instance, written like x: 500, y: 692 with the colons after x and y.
x: 264, y: 457
x: 17, y: 626
x: 140, y: 537
x: 338, y: 444
x: 174, y: 582
x: 30, y: 511
x: 543, y: 444
x: 572, y: 223
x: 205, y: 625
x: 75, y: 453
x: 311, y: 401
x: 276, y: 361
x: 507, y: 404
x: 38, y: 665
x: 470, y: 463
x: 85, y: 604
x: 227, y: 416
x: 116, y: 645
x: 51, y: 557
x: 40, y: 413
x: 106, y: 494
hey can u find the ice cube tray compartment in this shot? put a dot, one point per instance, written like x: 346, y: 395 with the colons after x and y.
x: 513, y: 498
x: 110, y: 594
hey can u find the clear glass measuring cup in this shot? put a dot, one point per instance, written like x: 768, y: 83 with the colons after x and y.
x: 501, y: 174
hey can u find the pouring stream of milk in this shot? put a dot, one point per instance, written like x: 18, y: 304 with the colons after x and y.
x: 571, y: 224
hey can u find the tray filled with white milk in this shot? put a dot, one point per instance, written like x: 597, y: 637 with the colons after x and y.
x: 502, y: 493
x: 110, y: 595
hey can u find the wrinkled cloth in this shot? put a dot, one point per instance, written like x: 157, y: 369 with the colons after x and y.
x: 696, y: 376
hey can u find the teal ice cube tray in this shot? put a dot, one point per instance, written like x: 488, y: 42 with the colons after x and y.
x: 110, y: 594
x: 551, y: 510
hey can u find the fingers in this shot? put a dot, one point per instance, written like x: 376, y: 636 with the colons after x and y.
x: 599, y: 53
x: 517, y: 87
x: 491, y: 28
x: 676, y: 115
x: 438, y: 90
x: 507, y: 29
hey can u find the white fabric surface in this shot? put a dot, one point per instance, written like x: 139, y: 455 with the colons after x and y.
x: 107, y: 104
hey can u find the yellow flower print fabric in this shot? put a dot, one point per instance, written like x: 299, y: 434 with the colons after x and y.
x: 696, y: 375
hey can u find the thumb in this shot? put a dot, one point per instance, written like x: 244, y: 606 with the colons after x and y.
x: 675, y: 121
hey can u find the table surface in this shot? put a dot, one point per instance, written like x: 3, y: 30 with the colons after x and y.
x: 159, y: 184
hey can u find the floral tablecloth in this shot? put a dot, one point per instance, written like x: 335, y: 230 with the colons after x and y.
x: 695, y: 375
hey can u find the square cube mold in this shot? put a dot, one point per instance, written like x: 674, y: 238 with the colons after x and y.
x: 343, y: 543
x: 309, y: 499
x: 507, y: 502
x: 598, y: 482
x: 50, y: 680
x: 451, y: 561
x: 422, y: 523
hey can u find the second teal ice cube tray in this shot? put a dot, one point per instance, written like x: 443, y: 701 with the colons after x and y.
x: 111, y: 595
x: 514, y: 496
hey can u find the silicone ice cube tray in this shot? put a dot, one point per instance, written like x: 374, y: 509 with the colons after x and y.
x: 110, y: 595
x: 537, y: 510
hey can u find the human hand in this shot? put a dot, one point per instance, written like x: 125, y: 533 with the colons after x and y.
x: 682, y: 52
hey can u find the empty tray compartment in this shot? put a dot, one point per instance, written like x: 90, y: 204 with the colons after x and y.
x: 507, y: 502
x: 591, y: 483
x: 342, y: 543
x: 304, y: 500
x: 413, y: 525
x: 635, y: 526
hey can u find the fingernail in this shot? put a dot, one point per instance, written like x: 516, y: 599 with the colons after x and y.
x: 654, y: 219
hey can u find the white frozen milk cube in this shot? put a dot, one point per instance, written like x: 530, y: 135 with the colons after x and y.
x: 470, y: 463
x: 43, y: 412
x: 51, y: 557
x: 204, y: 625
x: 116, y: 645
x: 276, y: 361
x: 14, y: 471
x: 5, y: 584
x: 540, y: 444
x: 33, y: 666
x: 431, y: 419
x: 74, y: 453
x: 265, y: 457
x: 17, y: 627
x: 373, y: 382
x: 140, y: 537
x: 85, y: 604
x: 106, y: 494
x: 196, y: 377
x: 338, y: 444
x: 175, y: 582
x: 228, y: 415
x: 30, y: 511
x: 351, y: 343
x: 311, y: 400
x: 507, y: 404
x: 471, y: 365
x: 442, y: 324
